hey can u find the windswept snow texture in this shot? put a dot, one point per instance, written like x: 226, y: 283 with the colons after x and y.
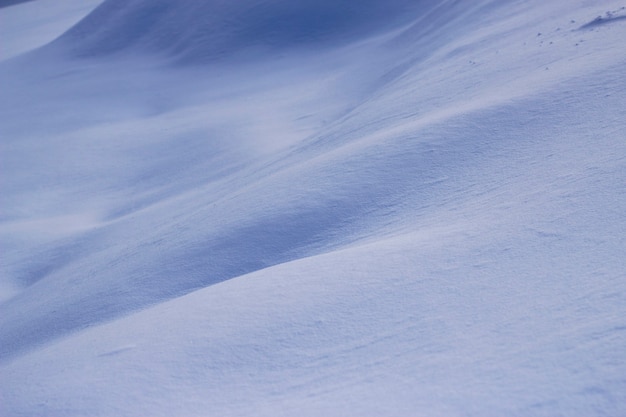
x: 278, y: 208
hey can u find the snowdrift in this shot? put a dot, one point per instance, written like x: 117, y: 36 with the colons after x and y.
x: 201, y: 200
x: 386, y: 208
x: 196, y: 31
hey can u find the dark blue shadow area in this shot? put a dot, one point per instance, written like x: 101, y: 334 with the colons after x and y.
x: 201, y: 31
x: 7, y: 3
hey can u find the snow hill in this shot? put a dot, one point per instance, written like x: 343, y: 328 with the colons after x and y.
x: 272, y: 207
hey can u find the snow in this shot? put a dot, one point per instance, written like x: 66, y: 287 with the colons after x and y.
x: 25, y: 25
x: 399, y: 208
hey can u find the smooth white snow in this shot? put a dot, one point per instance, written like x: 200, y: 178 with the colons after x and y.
x: 415, y: 212
x: 28, y: 25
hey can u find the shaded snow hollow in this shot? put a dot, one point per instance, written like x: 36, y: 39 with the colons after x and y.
x: 272, y: 207
x: 194, y: 31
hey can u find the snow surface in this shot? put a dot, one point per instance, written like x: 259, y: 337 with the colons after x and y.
x: 272, y: 207
x: 34, y: 24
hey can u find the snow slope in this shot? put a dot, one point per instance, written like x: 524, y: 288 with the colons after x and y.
x: 273, y: 207
x: 27, y: 25
x: 195, y: 31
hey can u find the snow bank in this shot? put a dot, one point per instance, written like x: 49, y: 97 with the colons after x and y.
x: 405, y: 211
